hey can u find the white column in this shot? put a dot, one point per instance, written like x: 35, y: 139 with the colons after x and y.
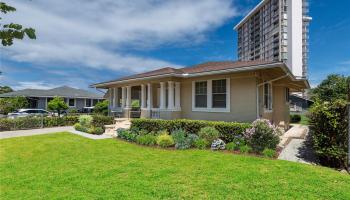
x: 162, y: 95
x: 128, y: 96
x: 170, y: 95
x: 123, y: 96
x: 143, y: 96
x: 111, y: 103
x: 209, y: 94
x: 114, y: 97
x: 177, y: 95
x: 149, y: 96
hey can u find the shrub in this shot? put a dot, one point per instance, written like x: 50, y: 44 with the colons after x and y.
x: 218, y: 144
x: 209, y: 134
x: 162, y: 132
x: 262, y: 135
x: 85, y: 120
x: 269, y: 153
x: 295, y: 118
x: 146, y: 140
x: 101, y: 107
x: 180, y: 140
x: 31, y: 122
x: 79, y: 127
x: 201, y: 144
x: 227, y: 130
x: 126, y: 135
x: 329, y: 132
x: 95, y: 130
x: 231, y: 146
x: 101, y: 120
x: 245, y: 149
x: 165, y: 140
x: 191, y: 139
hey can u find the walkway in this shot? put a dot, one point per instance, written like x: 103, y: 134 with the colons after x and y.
x: 296, y: 145
x: 22, y: 133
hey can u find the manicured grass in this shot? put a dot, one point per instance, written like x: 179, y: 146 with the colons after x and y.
x: 66, y: 166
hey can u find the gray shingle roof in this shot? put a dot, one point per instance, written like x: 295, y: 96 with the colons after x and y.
x: 63, y: 91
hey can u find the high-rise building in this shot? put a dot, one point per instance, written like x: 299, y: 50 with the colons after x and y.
x: 276, y: 30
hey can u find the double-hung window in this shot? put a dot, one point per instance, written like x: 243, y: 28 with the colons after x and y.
x: 219, y: 93
x: 87, y: 102
x: 71, y: 102
x: 201, y: 94
x: 268, y: 96
x: 211, y: 95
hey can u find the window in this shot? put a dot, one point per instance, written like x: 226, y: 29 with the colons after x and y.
x: 211, y: 95
x: 87, y: 102
x: 287, y: 95
x: 267, y: 96
x: 94, y: 102
x: 201, y: 94
x: 219, y: 93
x: 71, y: 102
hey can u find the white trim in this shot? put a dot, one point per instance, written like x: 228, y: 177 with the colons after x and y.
x: 86, y: 100
x: 209, y: 107
x: 270, y: 96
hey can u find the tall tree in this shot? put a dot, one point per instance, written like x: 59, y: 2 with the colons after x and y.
x: 333, y: 88
x: 9, y: 32
x: 5, y: 89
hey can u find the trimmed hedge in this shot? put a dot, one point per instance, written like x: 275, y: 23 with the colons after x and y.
x: 38, y: 122
x: 227, y: 130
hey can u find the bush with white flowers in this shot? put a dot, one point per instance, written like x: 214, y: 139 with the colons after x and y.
x: 218, y: 144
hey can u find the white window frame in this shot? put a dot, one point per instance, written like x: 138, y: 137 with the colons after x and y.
x: 209, y: 107
x: 270, y: 104
x: 75, y: 102
x: 86, y: 100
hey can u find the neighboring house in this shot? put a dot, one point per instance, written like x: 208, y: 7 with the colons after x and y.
x: 299, y: 103
x: 230, y: 91
x: 81, y: 100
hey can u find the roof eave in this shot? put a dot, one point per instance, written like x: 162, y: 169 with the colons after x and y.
x: 249, y: 14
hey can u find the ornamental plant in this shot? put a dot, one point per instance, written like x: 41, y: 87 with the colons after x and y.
x: 218, y: 144
x: 209, y: 134
x: 165, y: 140
x: 262, y: 135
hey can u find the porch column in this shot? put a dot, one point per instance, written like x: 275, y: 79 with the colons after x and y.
x: 162, y: 95
x: 170, y: 95
x: 111, y: 103
x: 123, y: 96
x: 128, y: 96
x: 177, y: 95
x: 143, y: 96
x: 149, y: 96
x: 114, y: 97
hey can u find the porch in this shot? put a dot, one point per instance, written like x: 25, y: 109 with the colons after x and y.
x: 158, y: 100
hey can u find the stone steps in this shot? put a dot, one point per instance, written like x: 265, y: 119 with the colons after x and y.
x: 119, y: 123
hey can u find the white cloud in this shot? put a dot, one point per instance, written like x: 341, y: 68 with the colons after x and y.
x: 34, y: 85
x: 93, y: 33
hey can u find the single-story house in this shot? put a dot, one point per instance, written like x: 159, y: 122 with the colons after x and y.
x: 229, y: 91
x: 79, y: 99
x: 299, y: 103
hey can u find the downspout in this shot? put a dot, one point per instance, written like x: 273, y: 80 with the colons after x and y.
x: 257, y: 92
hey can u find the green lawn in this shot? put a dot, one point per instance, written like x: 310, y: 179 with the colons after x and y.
x: 66, y: 166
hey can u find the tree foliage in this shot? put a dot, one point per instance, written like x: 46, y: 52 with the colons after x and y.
x: 101, y: 107
x: 5, y: 89
x: 333, y: 88
x: 11, y: 104
x: 57, y: 104
x: 9, y: 32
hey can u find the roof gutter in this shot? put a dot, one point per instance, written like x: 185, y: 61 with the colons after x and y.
x: 240, y: 69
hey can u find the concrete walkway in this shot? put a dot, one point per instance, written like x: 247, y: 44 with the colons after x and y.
x: 70, y: 129
x: 296, y: 146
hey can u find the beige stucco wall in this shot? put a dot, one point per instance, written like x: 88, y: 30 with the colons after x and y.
x: 242, y: 99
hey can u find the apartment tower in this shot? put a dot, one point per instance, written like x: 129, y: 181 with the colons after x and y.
x: 276, y: 30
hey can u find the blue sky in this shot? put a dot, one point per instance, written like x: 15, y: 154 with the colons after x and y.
x: 106, y: 39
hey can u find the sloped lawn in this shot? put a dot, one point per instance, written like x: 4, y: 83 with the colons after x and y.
x: 66, y: 166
